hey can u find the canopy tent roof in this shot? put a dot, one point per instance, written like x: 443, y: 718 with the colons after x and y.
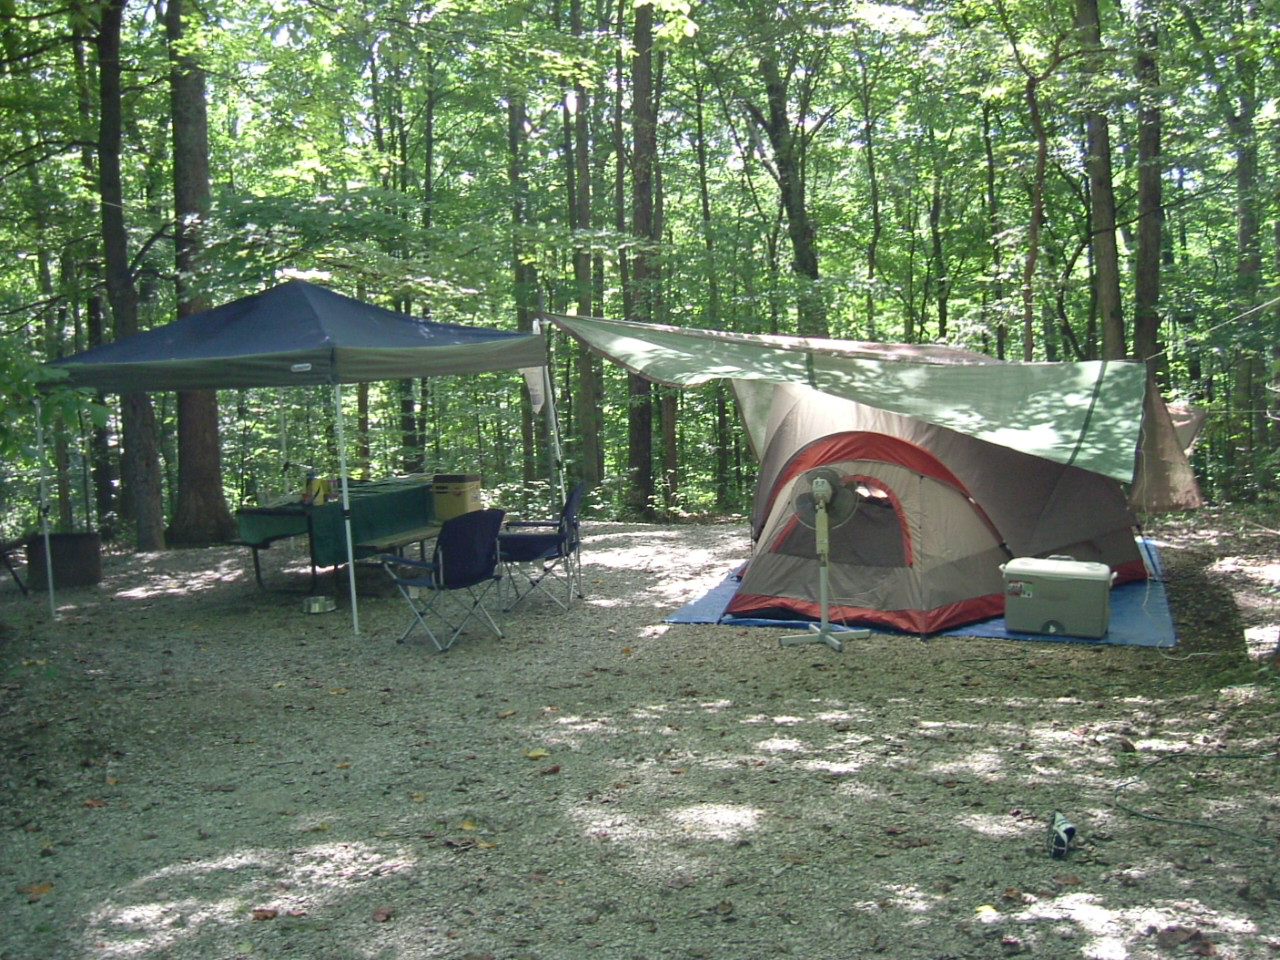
x: 1089, y: 415
x: 296, y: 334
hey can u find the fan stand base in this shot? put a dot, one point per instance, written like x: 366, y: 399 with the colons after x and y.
x: 822, y: 634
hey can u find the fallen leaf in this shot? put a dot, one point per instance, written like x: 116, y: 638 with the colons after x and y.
x: 468, y: 824
x: 342, y: 765
x: 1173, y: 937
x: 93, y: 802
x: 506, y: 713
x: 265, y: 913
x: 382, y: 915
x: 554, y: 768
x: 35, y: 891
x: 417, y: 796
x: 337, y: 691
x: 537, y: 753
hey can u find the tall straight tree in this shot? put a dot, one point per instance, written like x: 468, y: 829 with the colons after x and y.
x: 1102, y: 199
x: 200, y: 513
x: 524, y: 274
x: 789, y: 138
x: 644, y: 273
x: 1146, y: 280
x: 589, y: 420
x: 141, y: 456
x: 1034, y: 75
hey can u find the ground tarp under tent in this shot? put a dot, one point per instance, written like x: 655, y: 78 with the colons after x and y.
x: 957, y: 463
x: 299, y: 334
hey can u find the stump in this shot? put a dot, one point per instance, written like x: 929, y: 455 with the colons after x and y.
x: 77, y: 560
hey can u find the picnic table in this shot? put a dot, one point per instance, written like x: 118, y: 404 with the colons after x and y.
x: 386, y: 516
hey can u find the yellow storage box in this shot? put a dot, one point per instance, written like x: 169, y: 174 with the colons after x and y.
x: 456, y: 494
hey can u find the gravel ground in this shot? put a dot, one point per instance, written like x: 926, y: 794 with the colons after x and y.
x: 191, y: 767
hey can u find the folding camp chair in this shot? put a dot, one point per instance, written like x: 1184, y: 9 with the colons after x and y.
x: 547, y: 558
x: 465, y: 559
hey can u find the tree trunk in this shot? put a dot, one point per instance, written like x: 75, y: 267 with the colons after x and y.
x: 641, y: 490
x: 1248, y: 272
x: 103, y: 469
x: 942, y: 295
x: 788, y: 159
x: 1146, y: 285
x: 141, y: 458
x: 524, y: 277
x: 873, y: 195
x: 200, y: 511
x: 1102, y: 200
x: 1031, y: 91
x: 589, y: 417
x: 996, y: 316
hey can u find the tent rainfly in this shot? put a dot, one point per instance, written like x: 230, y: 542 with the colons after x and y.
x: 298, y: 334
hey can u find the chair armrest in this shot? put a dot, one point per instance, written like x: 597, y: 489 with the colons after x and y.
x: 532, y: 523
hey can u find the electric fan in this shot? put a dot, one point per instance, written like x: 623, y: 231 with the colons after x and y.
x: 820, y: 502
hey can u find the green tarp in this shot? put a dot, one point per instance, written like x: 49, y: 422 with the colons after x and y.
x: 1086, y: 414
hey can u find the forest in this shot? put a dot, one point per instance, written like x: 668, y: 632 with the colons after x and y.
x: 1040, y: 182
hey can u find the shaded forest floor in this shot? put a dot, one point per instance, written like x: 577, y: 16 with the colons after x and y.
x: 191, y: 767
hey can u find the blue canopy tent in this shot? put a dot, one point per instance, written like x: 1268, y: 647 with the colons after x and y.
x: 297, y: 334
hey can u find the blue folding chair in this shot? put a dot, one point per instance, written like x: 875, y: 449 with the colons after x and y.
x: 465, y: 560
x: 546, y: 553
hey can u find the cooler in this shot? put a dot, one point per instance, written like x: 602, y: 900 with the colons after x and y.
x: 456, y: 494
x: 1057, y: 596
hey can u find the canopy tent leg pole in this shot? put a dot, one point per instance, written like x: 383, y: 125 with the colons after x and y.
x: 346, y: 507
x: 44, y: 513
x: 547, y: 401
x: 553, y: 425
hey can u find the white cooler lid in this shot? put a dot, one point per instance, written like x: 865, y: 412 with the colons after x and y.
x: 1062, y: 569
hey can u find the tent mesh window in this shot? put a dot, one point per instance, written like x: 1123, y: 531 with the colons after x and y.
x: 875, y: 536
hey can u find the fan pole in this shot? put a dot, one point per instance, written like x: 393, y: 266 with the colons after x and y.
x: 821, y: 633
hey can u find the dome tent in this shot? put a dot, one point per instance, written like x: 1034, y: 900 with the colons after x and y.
x: 937, y: 514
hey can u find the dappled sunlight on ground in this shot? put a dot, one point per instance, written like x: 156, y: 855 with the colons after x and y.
x: 182, y: 749
x: 215, y: 897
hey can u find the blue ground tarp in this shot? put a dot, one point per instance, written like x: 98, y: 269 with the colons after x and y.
x: 1139, y: 613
